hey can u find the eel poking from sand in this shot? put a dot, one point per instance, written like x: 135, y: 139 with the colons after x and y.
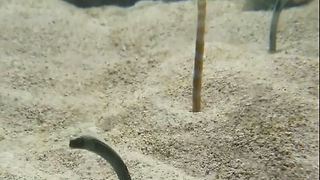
x: 96, y: 146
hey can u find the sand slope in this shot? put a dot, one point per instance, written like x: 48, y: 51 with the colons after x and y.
x: 124, y: 75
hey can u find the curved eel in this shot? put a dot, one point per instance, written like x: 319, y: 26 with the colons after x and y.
x: 274, y: 24
x: 98, y: 147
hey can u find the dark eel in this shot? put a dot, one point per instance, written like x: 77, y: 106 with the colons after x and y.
x: 98, y: 147
x: 274, y: 24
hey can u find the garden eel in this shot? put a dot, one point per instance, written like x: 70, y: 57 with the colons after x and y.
x: 98, y: 147
x: 198, y: 60
x: 278, y: 6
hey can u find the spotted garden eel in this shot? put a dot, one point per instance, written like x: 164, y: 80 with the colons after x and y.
x: 279, y: 4
x: 277, y: 9
x: 100, y: 148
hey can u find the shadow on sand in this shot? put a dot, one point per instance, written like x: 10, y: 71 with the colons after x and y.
x: 97, y: 3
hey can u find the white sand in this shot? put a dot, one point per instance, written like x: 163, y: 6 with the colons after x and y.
x: 125, y: 76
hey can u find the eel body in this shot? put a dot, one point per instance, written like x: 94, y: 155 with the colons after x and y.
x: 100, y: 148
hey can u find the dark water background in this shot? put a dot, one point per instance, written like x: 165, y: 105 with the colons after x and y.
x: 97, y: 3
x: 249, y: 5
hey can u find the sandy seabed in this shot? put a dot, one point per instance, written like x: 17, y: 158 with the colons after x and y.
x: 124, y: 75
